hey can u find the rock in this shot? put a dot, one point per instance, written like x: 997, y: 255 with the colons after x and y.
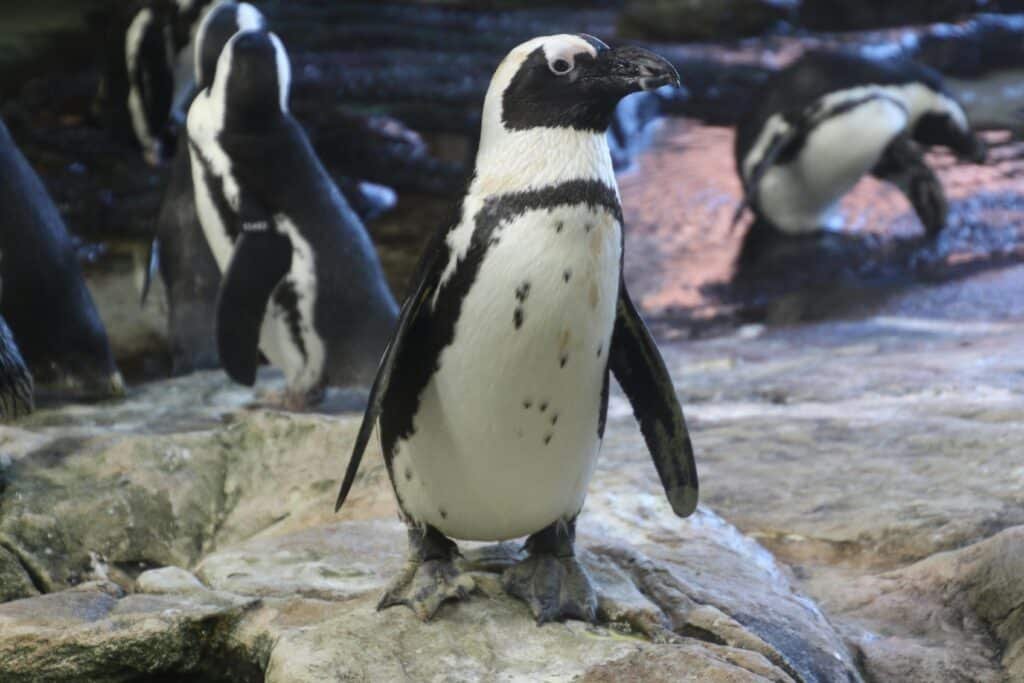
x: 168, y: 580
x: 15, y: 578
x: 98, y: 634
x: 648, y: 604
x: 917, y: 618
x: 93, y: 503
x: 684, y: 20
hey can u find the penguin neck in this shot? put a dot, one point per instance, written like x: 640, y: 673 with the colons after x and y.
x: 520, y: 160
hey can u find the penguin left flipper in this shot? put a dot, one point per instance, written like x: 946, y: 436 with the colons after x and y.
x: 903, y: 165
x: 261, y: 258
x: 640, y: 370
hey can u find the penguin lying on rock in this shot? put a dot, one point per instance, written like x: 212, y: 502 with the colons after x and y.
x: 491, y: 397
x: 830, y: 118
x: 301, y: 280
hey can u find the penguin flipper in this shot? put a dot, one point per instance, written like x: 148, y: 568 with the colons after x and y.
x: 902, y: 164
x: 640, y: 370
x: 410, y: 311
x: 260, y: 259
x: 152, y: 263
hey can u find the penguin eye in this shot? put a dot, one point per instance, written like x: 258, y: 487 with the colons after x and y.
x: 560, y: 67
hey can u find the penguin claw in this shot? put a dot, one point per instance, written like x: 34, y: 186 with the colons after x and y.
x: 424, y: 586
x: 555, y: 588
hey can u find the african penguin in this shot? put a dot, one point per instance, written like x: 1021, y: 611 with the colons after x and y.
x: 158, y: 57
x: 190, y: 274
x: 828, y: 119
x: 302, y: 282
x: 16, y: 390
x: 44, y: 299
x: 492, y: 395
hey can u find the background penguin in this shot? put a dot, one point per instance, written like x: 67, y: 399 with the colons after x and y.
x: 493, y: 392
x: 828, y: 119
x: 189, y: 272
x: 16, y: 390
x: 159, y: 58
x: 302, y: 282
x: 45, y: 300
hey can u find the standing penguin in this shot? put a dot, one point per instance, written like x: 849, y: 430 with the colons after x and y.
x: 828, y: 119
x: 187, y: 267
x: 159, y: 57
x: 492, y: 395
x: 45, y: 300
x: 302, y: 282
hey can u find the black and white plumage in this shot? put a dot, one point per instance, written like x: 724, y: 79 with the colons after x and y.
x: 159, y: 57
x: 830, y: 118
x: 16, y: 389
x: 492, y: 395
x: 302, y: 282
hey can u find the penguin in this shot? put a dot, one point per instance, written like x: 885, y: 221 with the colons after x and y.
x: 159, y: 53
x: 16, y: 389
x: 830, y: 118
x: 150, y: 84
x: 492, y: 395
x: 44, y: 299
x: 189, y: 272
x: 302, y: 282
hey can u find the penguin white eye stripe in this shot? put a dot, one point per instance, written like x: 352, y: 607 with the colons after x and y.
x: 560, y: 66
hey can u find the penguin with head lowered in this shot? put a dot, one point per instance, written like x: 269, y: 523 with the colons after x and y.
x: 302, y: 282
x: 492, y: 395
x: 45, y: 299
x: 830, y: 118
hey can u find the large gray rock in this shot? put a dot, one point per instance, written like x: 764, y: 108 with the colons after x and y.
x: 96, y: 633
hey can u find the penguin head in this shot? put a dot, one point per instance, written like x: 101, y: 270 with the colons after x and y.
x: 216, y: 29
x: 570, y: 81
x: 938, y: 117
x: 945, y: 123
x: 253, y: 79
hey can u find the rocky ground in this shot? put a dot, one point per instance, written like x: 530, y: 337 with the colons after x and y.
x: 861, y: 447
x: 862, y: 519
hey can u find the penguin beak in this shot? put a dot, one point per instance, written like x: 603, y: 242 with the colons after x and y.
x: 630, y: 69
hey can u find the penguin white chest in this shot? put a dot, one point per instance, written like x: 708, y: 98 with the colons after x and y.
x: 798, y: 196
x: 506, y: 436
x: 212, y: 179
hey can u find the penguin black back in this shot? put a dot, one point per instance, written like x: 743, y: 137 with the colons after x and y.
x: 45, y: 300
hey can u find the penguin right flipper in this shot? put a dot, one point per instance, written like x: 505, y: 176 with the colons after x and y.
x: 640, y: 370
x: 903, y: 165
x: 428, y: 276
x: 260, y: 260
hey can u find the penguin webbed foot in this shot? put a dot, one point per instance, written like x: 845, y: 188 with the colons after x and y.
x: 430, y: 577
x: 551, y: 581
